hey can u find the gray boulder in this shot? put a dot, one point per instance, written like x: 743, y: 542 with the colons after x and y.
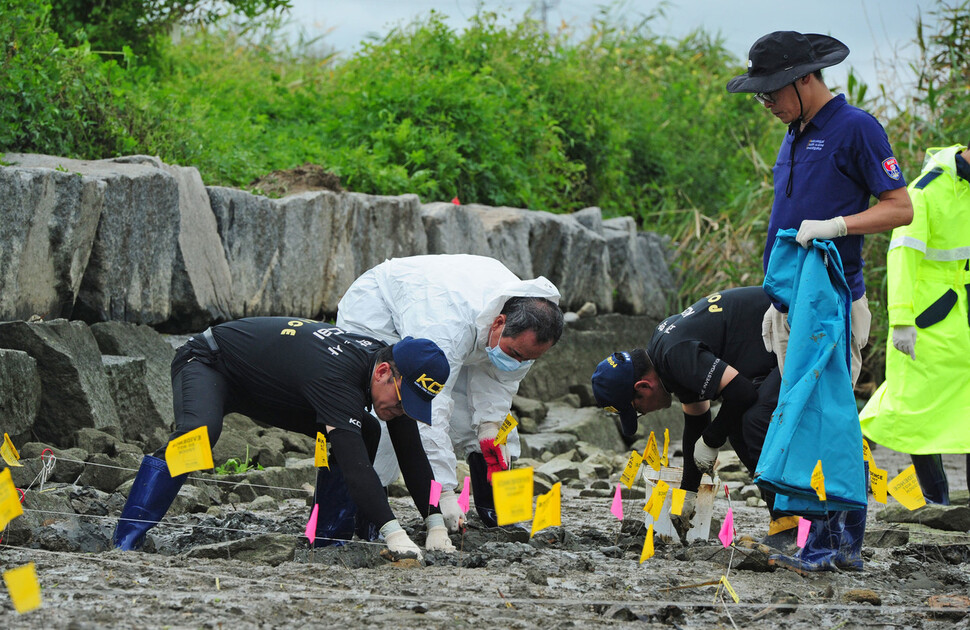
x: 583, y: 345
x: 588, y: 424
x: 128, y: 276
x: 454, y: 229
x: 75, y: 390
x: 639, y: 271
x: 261, y: 549
x: 50, y: 218
x: 20, y: 382
x: 150, y: 394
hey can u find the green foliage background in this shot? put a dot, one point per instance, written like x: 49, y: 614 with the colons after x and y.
x: 499, y: 114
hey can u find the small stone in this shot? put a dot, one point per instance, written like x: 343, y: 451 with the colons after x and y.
x: 862, y: 596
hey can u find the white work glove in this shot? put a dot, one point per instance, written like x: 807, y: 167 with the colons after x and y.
x: 437, y: 534
x: 704, y: 456
x: 768, y: 328
x: 904, y: 340
x: 828, y: 229
x: 451, y: 511
x: 398, y: 541
x: 496, y: 456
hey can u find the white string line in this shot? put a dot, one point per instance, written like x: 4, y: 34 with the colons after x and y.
x: 344, y: 595
x: 936, y: 533
x: 200, y: 526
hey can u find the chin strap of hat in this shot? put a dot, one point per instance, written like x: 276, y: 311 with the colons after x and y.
x: 793, y: 129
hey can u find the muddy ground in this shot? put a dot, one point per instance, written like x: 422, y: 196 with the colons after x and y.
x: 236, y: 567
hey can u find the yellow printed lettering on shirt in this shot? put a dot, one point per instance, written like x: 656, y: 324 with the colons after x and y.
x: 23, y: 587
x: 818, y: 481
x: 10, y: 507
x: 320, y: 452
x: 189, y: 452
x: 512, y: 492
x: 428, y: 384
x: 548, y: 510
x: 878, y: 479
x: 905, y: 488
x: 632, y: 468
x: 504, y: 430
x: 647, y: 551
x: 650, y: 454
x: 657, y: 498
x: 288, y: 332
x: 9, y: 452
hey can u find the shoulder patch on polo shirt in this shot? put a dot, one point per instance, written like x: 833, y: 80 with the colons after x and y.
x: 891, y: 166
x: 926, y: 179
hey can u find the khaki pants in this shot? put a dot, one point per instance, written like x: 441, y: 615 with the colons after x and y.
x: 774, y: 331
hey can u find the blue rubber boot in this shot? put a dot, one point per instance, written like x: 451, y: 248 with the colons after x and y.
x: 337, y: 512
x: 932, y: 478
x: 151, y: 495
x: 820, y: 549
x: 849, y: 557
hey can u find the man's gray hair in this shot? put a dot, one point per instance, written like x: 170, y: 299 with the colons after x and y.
x: 537, y: 314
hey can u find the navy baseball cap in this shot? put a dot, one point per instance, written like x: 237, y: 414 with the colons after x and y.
x: 425, y: 370
x: 613, y: 383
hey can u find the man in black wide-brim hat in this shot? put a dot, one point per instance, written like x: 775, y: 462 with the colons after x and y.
x: 833, y: 159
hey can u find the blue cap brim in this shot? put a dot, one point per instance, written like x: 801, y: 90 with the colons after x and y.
x: 415, y: 406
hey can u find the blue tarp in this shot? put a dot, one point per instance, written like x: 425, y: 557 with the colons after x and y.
x: 816, y: 418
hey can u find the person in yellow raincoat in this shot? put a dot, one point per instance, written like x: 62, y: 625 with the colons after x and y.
x: 923, y: 407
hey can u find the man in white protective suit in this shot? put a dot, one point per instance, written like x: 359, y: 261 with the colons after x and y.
x: 491, y: 327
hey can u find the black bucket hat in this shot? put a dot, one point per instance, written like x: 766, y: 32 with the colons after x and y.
x: 782, y: 57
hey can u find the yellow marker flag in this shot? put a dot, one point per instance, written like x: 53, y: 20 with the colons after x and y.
x: 650, y: 454
x: 657, y: 499
x: 677, y: 501
x: 504, y: 430
x: 647, y: 545
x: 905, y: 488
x: 512, y: 492
x: 189, y: 452
x: 818, y: 481
x: 9, y: 452
x: 10, y: 507
x: 548, y: 510
x: 23, y: 587
x: 663, y: 456
x: 867, y: 453
x: 320, y: 453
x: 632, y: 468
x: 727, y: 586
x: 878, y: 479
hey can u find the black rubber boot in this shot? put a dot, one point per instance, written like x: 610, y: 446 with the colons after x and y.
x: 932, y: 478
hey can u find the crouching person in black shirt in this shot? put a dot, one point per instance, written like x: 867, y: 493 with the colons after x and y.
x: 712, y: 350
x: 304, y: 376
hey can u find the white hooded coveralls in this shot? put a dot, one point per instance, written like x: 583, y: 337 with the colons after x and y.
x: 452, y: 300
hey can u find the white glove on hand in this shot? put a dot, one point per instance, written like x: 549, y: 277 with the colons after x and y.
x: 450, y: 511
x: 768, y: 328
x: 398, y: 541
x: 904, y: 340
x: 704, y: 456
x: 437, y: 534
x: 828, y: 229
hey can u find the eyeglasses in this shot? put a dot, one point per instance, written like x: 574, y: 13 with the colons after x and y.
x: 396, y: 387
x: 765, y: 98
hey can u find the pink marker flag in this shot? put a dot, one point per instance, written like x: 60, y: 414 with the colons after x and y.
x: 464, y: 496
x: 311, y: 526
x: 617, y: 508
x: 727, y: 529
x: 803, y: 526
x: 435, y: 495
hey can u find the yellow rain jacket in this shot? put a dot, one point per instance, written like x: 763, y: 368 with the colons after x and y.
x: 924, y: 405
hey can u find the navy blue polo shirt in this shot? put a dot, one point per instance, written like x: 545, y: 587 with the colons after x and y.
x: 842, y: 158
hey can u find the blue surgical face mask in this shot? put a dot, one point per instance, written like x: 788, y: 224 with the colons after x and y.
x: 503, y: 361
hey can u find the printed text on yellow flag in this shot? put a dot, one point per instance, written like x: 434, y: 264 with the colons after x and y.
x: 189, y: 452
x: 512, y: 491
